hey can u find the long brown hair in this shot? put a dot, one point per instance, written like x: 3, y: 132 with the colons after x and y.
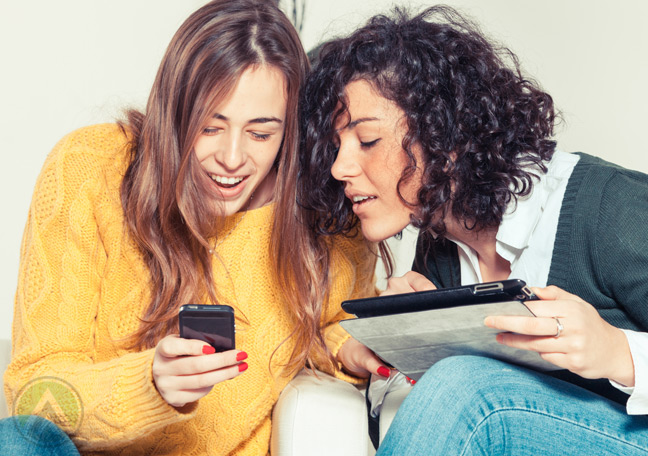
x: 161, y: 189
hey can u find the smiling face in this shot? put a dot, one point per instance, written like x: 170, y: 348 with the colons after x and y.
x: 239, y: 143
x: 371, y: 160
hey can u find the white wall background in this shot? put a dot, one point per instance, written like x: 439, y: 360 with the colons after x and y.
x: 71, y: 63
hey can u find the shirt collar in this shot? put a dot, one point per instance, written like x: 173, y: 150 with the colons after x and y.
x: 520, y: 219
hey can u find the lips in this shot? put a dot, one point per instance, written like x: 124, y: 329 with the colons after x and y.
x: 358, y: 198
x: 227, y: 182
x: 361, y: 199
x: 229, y: 187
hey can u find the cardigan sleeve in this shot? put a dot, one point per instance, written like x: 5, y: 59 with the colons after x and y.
x: 58, y: 298
x: 622, y: 258
x: 621, y: 244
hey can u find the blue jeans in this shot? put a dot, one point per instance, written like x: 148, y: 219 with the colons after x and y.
x: 469, y: 405
x: 34, y: 436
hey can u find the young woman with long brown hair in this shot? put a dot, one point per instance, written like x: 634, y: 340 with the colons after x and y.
x: 191, y: 201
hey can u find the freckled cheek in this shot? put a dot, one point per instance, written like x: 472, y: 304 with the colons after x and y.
x: 412, y: 187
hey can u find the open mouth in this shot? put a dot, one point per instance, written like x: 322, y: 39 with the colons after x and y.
x: 362, y: 199
x: 227, y: 182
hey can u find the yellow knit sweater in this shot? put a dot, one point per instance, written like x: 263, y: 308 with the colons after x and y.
x: 83, y: 285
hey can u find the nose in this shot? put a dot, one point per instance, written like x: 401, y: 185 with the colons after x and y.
x: 346, y: 164
x: 231, y: 153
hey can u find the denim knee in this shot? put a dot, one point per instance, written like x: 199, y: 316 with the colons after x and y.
x: 462, y: 371
x: 34, y: 435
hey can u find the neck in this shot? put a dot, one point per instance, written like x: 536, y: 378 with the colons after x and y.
x: 484, y: 242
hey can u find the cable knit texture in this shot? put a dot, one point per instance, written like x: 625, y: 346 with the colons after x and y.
x: 83, y: 286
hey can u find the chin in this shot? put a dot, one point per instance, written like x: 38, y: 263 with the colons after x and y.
x: 383, y: 229
x: 377, y: 235
x: 226, y: 209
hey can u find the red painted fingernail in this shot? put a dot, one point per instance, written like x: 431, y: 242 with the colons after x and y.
x: 242, y: 367
x: 383, y: 371
x: 240, y: 356
x: 208, y: 349
x: 411, y: 382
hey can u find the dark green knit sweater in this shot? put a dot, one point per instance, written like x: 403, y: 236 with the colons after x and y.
x: 601, y: 249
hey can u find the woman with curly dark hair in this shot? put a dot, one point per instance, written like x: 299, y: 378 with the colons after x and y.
x: 422, y: 120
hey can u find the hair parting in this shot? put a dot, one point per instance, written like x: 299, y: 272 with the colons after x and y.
x: 171, y: 224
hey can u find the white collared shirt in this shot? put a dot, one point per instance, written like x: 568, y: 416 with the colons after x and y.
x: 525, y: 239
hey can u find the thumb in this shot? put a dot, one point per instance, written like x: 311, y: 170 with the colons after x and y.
x: 173, y: 346
x: 552, y: 293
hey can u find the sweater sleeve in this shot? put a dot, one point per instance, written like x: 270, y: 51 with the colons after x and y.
x: 356, y: 273
x: 58, y: 299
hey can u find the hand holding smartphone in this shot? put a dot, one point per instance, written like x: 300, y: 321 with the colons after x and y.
x: 213, y: 324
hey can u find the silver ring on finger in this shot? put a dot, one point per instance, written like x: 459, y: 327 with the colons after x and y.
x: 559, y: 327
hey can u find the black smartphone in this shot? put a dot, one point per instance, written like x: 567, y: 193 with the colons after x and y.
x: 213, y: 324
x: 479, y: 293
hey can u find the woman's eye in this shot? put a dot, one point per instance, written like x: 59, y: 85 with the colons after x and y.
x: 210, y: 131
x: 260, y: 136
x: 369, y: 144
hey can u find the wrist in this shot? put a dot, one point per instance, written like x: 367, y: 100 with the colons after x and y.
x: 622, y: 369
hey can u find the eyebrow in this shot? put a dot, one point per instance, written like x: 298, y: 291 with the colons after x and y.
x: 251, y: 121
x: 359, y: 121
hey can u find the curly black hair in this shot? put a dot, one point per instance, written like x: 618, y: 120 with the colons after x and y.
x: 479, y: 123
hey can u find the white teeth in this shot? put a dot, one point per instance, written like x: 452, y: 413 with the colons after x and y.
x: 359, y: 199
x: 226, y: 180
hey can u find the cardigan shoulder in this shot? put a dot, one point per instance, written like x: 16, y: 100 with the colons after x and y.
x: 600, y: 248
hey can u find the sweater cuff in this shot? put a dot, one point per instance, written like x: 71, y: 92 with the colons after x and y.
x: 336, y: 336
x: 137, y: 404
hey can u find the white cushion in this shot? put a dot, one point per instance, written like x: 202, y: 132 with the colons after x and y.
x: 320, y: 416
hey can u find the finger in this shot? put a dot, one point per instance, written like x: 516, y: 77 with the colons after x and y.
x: 553, y: 293
x: 173, y: 346
x: 191, y: 365
x: 547, y: 308
x: 209, y: 379
x: 540, y: 344
x: 397, y: 285
x: 419, y: 282
x: 411, y: 281
x: 170, y: 385
x: 375, y: 366
x: 533, y: 326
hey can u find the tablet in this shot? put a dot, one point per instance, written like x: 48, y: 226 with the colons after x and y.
x: 412, y: 342
x: 479, y: 293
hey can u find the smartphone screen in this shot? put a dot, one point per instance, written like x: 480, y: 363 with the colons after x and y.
x: 213, y: 324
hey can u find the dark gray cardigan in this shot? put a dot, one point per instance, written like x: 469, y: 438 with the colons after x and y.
x: 601, y: 249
